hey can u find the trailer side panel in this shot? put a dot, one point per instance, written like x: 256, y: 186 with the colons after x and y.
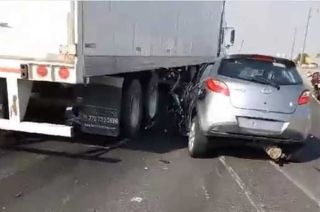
x: 35, y: 30
x: 132, y: 36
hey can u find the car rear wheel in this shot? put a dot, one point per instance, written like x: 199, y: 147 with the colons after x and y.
x: 197, y: 141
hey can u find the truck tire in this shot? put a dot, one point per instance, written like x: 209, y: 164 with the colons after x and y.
x: 131, y: 113
x: 151, y: 97
x: 197, y: 141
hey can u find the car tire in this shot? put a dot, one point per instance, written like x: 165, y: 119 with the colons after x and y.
x: 132, y: 107
x: 197, y: 141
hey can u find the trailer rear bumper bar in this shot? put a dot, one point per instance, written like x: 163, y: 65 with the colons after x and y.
x: 11, y: 69
x: 18, y: 95
x: 40, y: 128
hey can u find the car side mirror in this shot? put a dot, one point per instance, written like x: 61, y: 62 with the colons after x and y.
x: 229, y: 37
x: 232, y: 36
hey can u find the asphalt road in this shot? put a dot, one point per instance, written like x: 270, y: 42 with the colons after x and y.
x: 154, y: 173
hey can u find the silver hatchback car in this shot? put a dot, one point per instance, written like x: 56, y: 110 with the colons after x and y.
x: 253, y: 97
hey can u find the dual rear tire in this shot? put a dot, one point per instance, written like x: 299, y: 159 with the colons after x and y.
x: 138, y: 104
x: 131, y: 111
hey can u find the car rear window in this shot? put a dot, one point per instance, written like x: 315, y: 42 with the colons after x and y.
x: 247, y: 69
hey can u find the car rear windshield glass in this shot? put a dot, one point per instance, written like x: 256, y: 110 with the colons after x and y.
x: 248, y: 69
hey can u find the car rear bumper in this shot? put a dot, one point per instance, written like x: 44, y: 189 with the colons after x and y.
x: 285, y: 131
x: 227, y: 121
x: 294, y: 137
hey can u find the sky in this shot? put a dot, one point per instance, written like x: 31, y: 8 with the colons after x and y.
x: 267, y: 27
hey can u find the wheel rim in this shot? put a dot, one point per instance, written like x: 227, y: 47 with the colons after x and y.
x: 191, y: 137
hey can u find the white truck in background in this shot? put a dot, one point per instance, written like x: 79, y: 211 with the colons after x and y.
x: 99, y: 62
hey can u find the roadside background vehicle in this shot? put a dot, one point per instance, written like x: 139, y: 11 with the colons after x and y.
x: 254, y: 97
x: 315, y: 81
x: 99, y: 62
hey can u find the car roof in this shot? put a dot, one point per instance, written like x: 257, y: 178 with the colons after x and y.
x: 286, y: 62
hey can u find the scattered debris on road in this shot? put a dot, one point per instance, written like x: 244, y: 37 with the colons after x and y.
x: 76, y: 181
x: 317, y: 169
x: 206, y: 193
x: 66, y: 200
x: 136, y: 199
x: 20, y: 194
x: 165, y: 161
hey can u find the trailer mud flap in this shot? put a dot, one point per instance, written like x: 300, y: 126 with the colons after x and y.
x: 99, y: 112
x: 99, y: 120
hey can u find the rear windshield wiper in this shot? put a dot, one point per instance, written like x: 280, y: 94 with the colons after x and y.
x: 265, y: 81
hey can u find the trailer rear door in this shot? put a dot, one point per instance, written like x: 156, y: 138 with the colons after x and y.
x: 35, y: 29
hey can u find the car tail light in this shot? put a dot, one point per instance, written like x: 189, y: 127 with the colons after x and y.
x: 263, y: 58
x: 218, y: 87
x: 42, y: 71
x: 64, y: 73
x: 304, y: 98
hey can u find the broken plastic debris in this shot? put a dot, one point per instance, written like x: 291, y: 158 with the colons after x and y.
x: 146, y: 168
x: 136, y: 199
x: 164, y: 161
x: 19, y: 194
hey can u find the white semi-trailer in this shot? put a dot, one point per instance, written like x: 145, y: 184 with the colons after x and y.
x: 99, y: 62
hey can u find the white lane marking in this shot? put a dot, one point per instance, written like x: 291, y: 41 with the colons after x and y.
x: 206, y: 193
x: 299, y: 185
x: 241, y: 184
